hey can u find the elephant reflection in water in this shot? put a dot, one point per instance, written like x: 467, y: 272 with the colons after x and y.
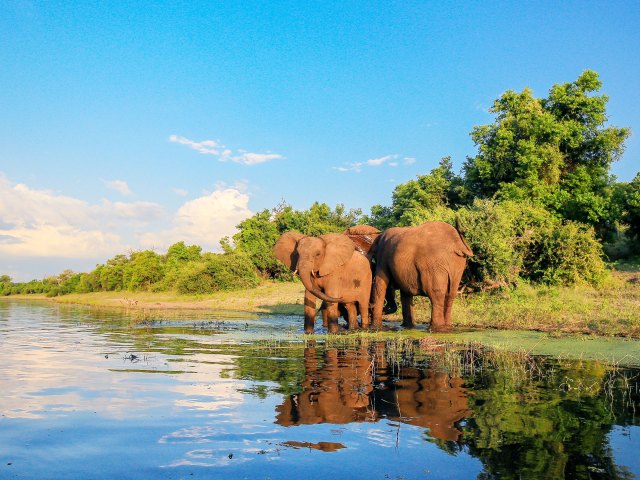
x: 335, y: 390
x: 358, y: 386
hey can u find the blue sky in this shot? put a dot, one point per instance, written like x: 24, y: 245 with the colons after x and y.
x: 128, y: 125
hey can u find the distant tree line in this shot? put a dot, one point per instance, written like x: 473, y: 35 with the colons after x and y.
x: 537, y: 203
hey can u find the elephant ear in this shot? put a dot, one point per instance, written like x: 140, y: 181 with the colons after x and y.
x: 339, y: 249
x: 285, y: 249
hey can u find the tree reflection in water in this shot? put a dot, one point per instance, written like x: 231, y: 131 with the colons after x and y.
x: 523, y: 417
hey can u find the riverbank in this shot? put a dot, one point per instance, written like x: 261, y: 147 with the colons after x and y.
x: 611, y: 310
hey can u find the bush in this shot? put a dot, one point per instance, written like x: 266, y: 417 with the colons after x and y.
x: 513, y: 240
x: 569, y: 254
x: 500, y: 235
x: 228, y: 271
x: 193, y: 277
x: 231, y: 271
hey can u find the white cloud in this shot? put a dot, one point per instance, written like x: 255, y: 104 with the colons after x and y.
x: 181, y: 192
x: 40, y: 223
x: 408, y: 161
x: 224, y: 154
x: 372, y: 162
x: 119, y: 186
x: 40, y: 228
x: 204, y: 220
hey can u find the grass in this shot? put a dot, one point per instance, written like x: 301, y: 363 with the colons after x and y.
x: 270, y: 297
x: 613, y: 309
x: 610, y: 310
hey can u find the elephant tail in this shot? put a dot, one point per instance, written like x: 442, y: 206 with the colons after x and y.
x: 464, y: 250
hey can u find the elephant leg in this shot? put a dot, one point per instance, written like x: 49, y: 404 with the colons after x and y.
x: 365, y: 311
x: 332, y: 317
x: 380, y: 285
x: 452, y: 293
x: 325, y: 318
x: 407, y: 310
x: 390, y: 305
x: 309, y: 311
x: 352, y: 316
x: 437, y: 297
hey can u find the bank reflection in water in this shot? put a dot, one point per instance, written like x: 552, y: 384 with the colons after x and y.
x: 522, y: 416
x: 359, y: 385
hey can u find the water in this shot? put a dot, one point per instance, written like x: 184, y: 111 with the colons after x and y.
x: 93, y: 395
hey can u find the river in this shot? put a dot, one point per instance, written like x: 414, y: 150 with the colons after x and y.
x: 90, y: 394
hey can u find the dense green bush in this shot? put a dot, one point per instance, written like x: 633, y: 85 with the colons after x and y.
x: 568, y: 254
x: 194, y: 278
x: 214, y: 272
x: 231, y: 271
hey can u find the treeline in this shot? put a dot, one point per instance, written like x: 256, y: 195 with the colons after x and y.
x: 183, y: 268
x: 537, y: 203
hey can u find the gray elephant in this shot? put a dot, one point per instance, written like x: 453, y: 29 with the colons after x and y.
x: 426, y: 260
x: 332, y: 270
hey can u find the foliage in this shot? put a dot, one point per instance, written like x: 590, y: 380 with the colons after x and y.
x: 567, y: 254
x: 429, y: 197
x: 536, y: 194
x: 554, y: 151
x: 258, y: 234
x: 631, y: 203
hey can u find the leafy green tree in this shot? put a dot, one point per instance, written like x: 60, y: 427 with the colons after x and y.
x: 143, y: 269
x: 177, y: 256
x: 428, y: 197
x: 631, y: 201
x: 555, y: 151
x: 5, y: 285
x: 112, y: 273
x: 258, y: 234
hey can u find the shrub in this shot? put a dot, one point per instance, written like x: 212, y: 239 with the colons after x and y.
x: 513, y: 240
x: 231, y: 271
x: 227, y: 271
x: 500, y: 235
x: 193, y: 277
x: 569, y: 254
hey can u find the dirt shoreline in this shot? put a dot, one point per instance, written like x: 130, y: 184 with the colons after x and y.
x: 269, y: 297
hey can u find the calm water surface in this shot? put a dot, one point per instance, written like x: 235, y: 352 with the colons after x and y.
x: 93, y: 395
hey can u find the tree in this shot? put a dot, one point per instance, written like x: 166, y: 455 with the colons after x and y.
x: 555, y: 151
x: 258, y: 234
x: 631, y: 202
x: 143, y: 270
x: 428, y: 197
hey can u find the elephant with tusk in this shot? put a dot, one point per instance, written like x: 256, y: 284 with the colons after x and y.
x: 332, y: 270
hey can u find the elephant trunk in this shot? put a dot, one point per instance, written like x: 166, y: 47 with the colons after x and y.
x: 310, y: 284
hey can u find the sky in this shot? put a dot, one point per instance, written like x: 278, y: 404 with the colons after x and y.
x: 133, y: 125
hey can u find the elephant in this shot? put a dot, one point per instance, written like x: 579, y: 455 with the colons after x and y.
x: 426, y: 260
x: 365, y: 236
x: 332, y: 270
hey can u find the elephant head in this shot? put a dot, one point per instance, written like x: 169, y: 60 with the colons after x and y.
x: 314, y: 257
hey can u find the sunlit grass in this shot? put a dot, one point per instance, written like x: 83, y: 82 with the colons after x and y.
x: 610, y: 310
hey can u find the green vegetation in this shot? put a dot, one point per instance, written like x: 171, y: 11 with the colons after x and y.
x: 183, y: 268
x: 537, y: 204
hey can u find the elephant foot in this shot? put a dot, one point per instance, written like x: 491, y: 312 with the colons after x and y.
x: 334, y: 328
x: 441, y: 328
x: 408, y: 325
